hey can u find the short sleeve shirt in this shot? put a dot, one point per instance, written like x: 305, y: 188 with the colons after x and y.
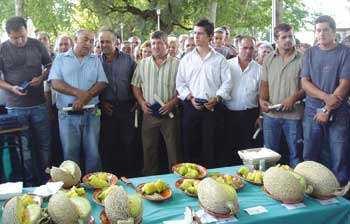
x: 325, y: 68
x: 81, y: 75
x: 20, y: 64
x: 283, y: 79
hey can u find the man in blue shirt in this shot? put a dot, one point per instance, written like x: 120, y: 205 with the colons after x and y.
x: 325, y: 79
x: 78, y: 77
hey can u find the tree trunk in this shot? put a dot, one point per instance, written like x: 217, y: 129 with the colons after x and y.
x: 19, y: 4
x: 212, y: 5
x: 279, y: 12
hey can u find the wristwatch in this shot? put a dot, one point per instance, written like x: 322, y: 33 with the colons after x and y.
x: 323, y: 110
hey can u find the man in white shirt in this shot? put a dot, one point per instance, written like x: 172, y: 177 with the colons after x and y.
x: 203, y: 75
x: 242, y: 115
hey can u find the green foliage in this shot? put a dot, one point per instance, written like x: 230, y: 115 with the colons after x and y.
x: 139, y: 16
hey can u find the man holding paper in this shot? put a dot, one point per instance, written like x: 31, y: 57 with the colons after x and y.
x: 154, y: 88
x: 78, y: 77
x: 280, y: 84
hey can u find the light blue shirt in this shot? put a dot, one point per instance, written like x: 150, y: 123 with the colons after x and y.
x: 81, y: 75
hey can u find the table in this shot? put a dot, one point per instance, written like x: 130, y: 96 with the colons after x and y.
x: 17, y: 133
x: 249, y: 196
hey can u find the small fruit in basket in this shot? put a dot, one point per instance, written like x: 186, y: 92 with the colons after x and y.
x: 75, y: 192
x: 149, y: 188
x: 190, y: 186
x: 189, y: 170
x: 99, y: 181
x: 160, y: 185
x: 182, y: 170
x: 243, y: 171
x: 228, y: 178
x: 192, y: 173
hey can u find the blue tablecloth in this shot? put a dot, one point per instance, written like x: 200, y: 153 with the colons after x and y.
x: 249, y: 196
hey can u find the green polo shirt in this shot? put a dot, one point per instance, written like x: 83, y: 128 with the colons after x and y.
x: 283, y: 79
x: 156, y: 80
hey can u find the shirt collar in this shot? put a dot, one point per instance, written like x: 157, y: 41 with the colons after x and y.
x: 295, y: 53
x: 70, y: 53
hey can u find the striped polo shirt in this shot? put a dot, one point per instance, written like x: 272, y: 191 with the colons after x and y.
x: 156, y: 80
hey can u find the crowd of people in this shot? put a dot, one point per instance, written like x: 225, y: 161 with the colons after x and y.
x: 129, y: 107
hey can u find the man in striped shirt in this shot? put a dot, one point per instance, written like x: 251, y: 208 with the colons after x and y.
x: 156, y: 76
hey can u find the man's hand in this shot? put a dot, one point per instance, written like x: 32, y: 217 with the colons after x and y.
x: 189, y: 97
x: 198, y: 106
x: 107, y: 108
x: 146, y: 108
x: 212, y: 101
x: 84, y: 96
x: 259, y: 122
x: 264, y: 105
x: 333, y: 101
x: 16, y: 90
x: 36, y: 81
x: 135, y: 107
x: 78, y: 105
x: 321, y: 118
x: 168, y: 107
x: 288, y: 103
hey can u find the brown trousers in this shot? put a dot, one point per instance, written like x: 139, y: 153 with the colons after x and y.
x: 152, y: 127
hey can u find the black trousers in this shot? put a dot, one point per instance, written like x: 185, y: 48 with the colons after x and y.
x: 239, y: 129
x: 202, y: 134
x: 120, y: 142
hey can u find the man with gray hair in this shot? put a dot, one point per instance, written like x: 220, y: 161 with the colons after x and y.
x: 63, y: 43
x: 78, y: 77
x: 263, y: 50
x: 155, y: 78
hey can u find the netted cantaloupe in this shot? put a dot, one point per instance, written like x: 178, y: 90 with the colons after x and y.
x: 122, y: 208
x: 217, y: 197
x: 323, y: 181
x: 15, y: 212
x: 68, y: 172
x: 283, y: 185
x: 64, y: 210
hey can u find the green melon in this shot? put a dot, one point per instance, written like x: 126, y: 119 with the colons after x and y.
x: 283, y: 185
x: 62, y: 210
x: 117, y: 205
x: 323, y: 181
x: 16, y: 213
x: 217, y: 197
x: 68, y: 172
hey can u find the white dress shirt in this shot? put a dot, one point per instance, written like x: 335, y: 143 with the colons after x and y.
x: 245, y: 91
x: 210, y: 76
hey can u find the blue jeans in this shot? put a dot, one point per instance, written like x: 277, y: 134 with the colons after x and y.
x: 81, y: 129
x: 293, y: 132
x: 38, y: 137
x: 337, y: 133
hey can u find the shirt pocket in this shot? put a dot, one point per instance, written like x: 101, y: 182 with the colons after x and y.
x: 33, y: 57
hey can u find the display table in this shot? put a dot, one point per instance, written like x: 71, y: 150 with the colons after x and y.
x: 249, y: 196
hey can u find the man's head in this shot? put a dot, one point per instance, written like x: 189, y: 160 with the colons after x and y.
x: 44, y: 38
x: 203, y: 32
x: 182, y: 38
x: 126, y: 47
x: 135, y: 41
x: 219, y: 37
x: 16, y: 28
x: 284, y: 37
x: 64, y: 43
x: 84, y: 42
x: 246, y: 48
x: 107, y: 40
x: 189, y: 44
x: 325, y: 30
x: 264, y: 49
x: 346, y: 41
x: 227, y: 33
x: 159, y: 40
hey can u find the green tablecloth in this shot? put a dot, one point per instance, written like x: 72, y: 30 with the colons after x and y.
x: 249, y: 196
